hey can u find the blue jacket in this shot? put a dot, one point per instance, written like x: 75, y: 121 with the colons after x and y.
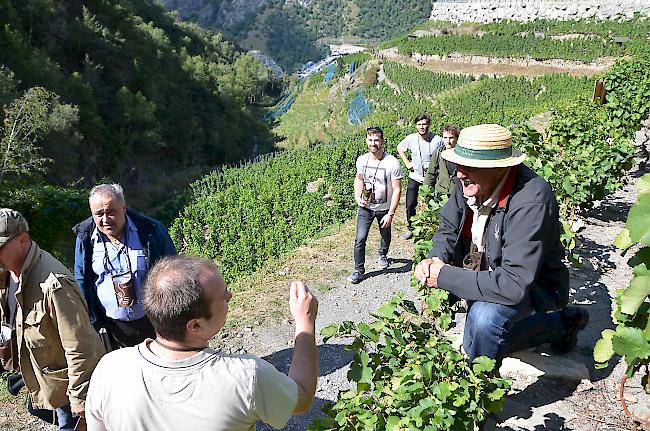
x: 523, y: 248
x: 153, y: 236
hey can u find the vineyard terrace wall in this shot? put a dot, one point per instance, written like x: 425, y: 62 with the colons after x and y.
x: 530, y: 10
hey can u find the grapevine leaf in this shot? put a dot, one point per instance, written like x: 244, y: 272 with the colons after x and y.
x: 631, y: 343
x: 365, y: 330
x: 392, y: 423
x: 603, y: 350
x: 482, y: 364
x: 623, y: 241
x: 638, y: 221
x: 641, y: 257
x: 639, y: 288
x: 387, y: 310
x: 496, y: 394
x: 329, y: 331
x: 643, y: 183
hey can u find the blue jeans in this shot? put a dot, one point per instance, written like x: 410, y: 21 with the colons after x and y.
x: 365, y: 217
x: 494, y: 330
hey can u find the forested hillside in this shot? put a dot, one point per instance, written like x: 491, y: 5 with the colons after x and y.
x: 294, y: 32
x: 118, y: 90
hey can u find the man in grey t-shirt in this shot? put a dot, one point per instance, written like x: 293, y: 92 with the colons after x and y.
x: 178, y: 382
x: 421, y: 145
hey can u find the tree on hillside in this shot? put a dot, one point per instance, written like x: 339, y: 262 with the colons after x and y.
x: 25, y: 121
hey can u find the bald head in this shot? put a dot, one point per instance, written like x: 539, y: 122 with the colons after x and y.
x: 174, y: 294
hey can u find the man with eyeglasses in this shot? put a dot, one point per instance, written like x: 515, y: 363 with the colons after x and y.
x: 115, y: 248
x: 377, y: 189
x: 52, y: 345
x: 422, y: 145
x: 498, y: 246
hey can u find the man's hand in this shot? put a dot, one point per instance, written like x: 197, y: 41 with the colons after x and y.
x: 304, y: 363
x: 409, y: 166
x: 386, y: 220
x: 428, y: 271
x: 303, y: 306
x: 362, y: 203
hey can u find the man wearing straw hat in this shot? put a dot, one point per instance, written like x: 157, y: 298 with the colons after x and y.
x: 498, y: 246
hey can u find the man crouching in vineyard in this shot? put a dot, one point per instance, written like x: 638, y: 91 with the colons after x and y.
x: 377, y: 189
x: 176, y: 381
x: 498, y: 246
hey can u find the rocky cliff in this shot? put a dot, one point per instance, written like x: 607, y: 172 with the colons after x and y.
x: 529, y: 10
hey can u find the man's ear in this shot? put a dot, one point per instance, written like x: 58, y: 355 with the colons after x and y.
x: 194, y: 326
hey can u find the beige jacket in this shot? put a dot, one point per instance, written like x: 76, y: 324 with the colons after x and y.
x: 58, y: 348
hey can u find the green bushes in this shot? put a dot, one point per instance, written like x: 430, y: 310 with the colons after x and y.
x: 51, y: 212
x: 245, y: 216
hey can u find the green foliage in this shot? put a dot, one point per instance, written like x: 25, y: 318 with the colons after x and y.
x: 51, y: 212
x: 142, y: 97
x: 409, y: 376
x: 245, y: 216
x: 422, y: 82
x: 25, y: 122
x: 631, y: 337
x: 533, y: 40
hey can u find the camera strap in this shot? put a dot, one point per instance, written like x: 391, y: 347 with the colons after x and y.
x: 107, y: 259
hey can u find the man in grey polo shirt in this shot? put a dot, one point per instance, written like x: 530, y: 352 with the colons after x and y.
x: 178, y: 382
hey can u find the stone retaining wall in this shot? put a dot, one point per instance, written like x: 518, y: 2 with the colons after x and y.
x: 528, y: 10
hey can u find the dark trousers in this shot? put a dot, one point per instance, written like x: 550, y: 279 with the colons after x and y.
x: 365, y: 217
x: 128, y: 333
x: 411, y: 200
x: 494, y: 330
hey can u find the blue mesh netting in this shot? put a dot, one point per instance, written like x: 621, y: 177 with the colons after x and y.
x: 330, y: 71
x: 359, y: 109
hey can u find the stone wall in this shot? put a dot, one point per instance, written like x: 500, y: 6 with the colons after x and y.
x: 528, y: 10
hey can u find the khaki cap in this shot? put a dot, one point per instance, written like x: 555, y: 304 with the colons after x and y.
x: 12, y: 223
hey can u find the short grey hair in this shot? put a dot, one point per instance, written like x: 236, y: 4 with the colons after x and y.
x: 112, y: 191
x: 173, y: 294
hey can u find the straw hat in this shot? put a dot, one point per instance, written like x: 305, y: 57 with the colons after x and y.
x: 484, y: 146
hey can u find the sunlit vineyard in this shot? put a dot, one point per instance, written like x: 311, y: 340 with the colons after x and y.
x: 538, y: 40
x: 422, y: 82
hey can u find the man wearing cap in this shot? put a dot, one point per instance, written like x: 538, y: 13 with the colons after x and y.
x: 498, y: 246
x: 115, y: 248
x: 422, y: 145
x: 57, y: 348
x: 377, y: 189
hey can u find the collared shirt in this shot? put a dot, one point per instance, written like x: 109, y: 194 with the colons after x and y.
x: 481, y: 213
x: 109, y: 259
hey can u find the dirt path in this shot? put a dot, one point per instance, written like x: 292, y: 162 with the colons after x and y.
x: 497, y: 66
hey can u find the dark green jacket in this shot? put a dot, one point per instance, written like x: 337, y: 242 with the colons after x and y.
x: 439, y: 175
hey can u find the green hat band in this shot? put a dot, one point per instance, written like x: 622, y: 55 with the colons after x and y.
x: 492, y: 154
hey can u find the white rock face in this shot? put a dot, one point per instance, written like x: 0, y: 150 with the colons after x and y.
x: 528, y: 10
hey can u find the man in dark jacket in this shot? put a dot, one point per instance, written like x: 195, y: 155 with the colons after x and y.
x: 115, y: 248
x: 498, y: 246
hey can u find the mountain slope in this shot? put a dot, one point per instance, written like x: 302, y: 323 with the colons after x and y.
x: 294, y: 32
